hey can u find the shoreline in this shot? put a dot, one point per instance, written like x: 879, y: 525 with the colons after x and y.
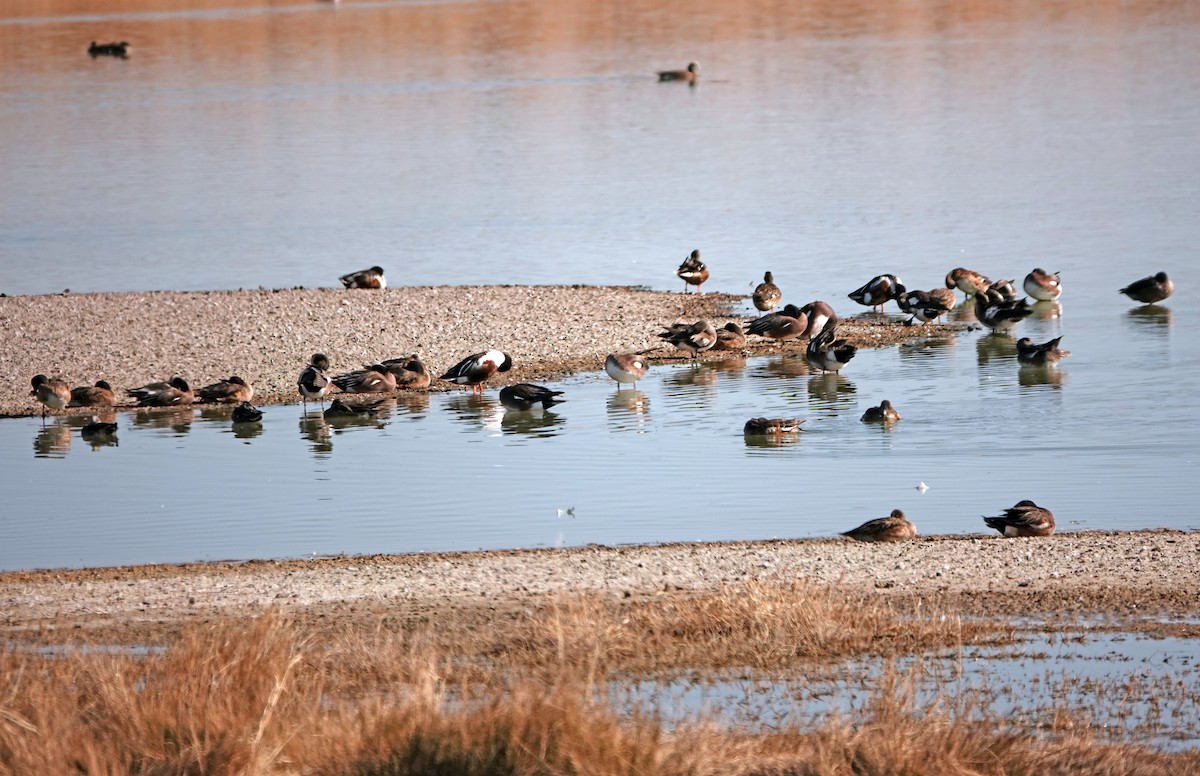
x: 267, y: 336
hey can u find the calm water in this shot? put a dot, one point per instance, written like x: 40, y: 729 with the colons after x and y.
x: 246, y: 143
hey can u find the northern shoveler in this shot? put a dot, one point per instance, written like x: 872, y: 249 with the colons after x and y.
x: 827, y: 354
x: 99, y: 433
x: 819, y: 313
x: 689, y: 74
x: 1046, y: 354
x: 246, y: 413
x: 98, y: 395
x: 173, y: 393
x: 1000, y: 314
x: 626, y: 368
x: 475, y: 369
x: 1149, y: 290
x: 893, y: 528
x: 525, y: 396
x: 234, y: 390
x: 926, y: 306
x: 313, y: 383
x: 365, y: 278
x: 53, y: 393
x: 1042, y: 285
x: 692, y: 271
x: 767, y: 294
x: 884, y: 413
x: 1024, y: 519
x: 877, y: 291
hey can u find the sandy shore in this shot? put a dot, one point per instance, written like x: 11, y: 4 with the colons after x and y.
x: 266, y: 337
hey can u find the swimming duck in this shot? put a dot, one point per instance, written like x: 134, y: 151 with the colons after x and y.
x: 474, y: 369
x: 819, y: 313
x: 884, y: 413
x: 788, y: 323
x: 53, y: 393
x: 1149, y: 290
x: 692, y: 271
x: 411, y: 373
x: 246, y: 413
x: 690, y: 74
x: 365, y: 278
x: 174, y: 392
x: 695, y: 339
x: 340, y: 409
x: 1046, y: 354
x: 313, y: 383
x: 374, y: 379
x: 966, y: 280
x: 893, y: 528
x: 626, y: 368
x: 730, y: 337
x: 232, y: 391
x: 926, y: 306
x: 877, y: 291
x: 115, y: 49
x: 1042, y: 285
x: 767, y: 294
x: 1000, y: 314
x: 98, y: 395
x: 771, y: 426
x: 525, y: 396
x: 1024, y: 519
x: 99, y: 432
x: 827, y: 354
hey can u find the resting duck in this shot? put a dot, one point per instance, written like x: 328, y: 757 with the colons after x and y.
x: 474, y: 369
x: 695, y: 339
x: 365, y: 278
x: 1042, y: 285
x: 313, y: 383
x: 525, y: 396
x: 1046, y: 354
x: 374, y: 379
x: 232, y: 391
x: 1149, y: 290
x: 1000, y: 314
x: 893, y: 528
x: 173, y: 393
x: 626, y: 368
x: 247, y: 413
x: 771, y: 426
x: 411, y: 373
x: 692, y: 271
x: 877, y: 291
x: 1024, y: 519
x: 926, y: 306
x: 819, y: 313
x: 730, y: 337
x: 1004, y: 288
x: 98, y: 395
x: 884, y: 413
x: 53, y: 393
x: 827, y: 354
x: 340, y: 409
x: 788, y: 323
x: 99, y: 433
x: 767, y: 294
x: 689, y: 74
x: 966, y: 280
x: 115, y: 49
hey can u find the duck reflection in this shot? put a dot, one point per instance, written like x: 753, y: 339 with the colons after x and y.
x: 1034, y: 376
x: 475, y: 410
x: 1151, y: 317
x: 831, y: 389
x: 629, y: 411
x: 1046, y: 310
x: 771, y: 440
x: 729, y: 365
x: 52, y: 440
x: 177, y: 419
x: 784, y: 366
x: 413, y: 404
x: 216, y: 413
x: 341, y: 415
x: 247, y: 430
x: 964, y: 312
x: 995, y: 347
x: 699, y: 374
x: 535, y: 423
x: 316, y: 432
x: 935, y: 346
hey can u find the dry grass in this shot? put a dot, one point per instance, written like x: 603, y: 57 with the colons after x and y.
x: 270, y: 696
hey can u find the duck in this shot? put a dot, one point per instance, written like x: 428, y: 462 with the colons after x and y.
x: 525, y: 396
x: 772, y: 426
x: 893, y: 528
x: 116, y: 49
x: 1046, y: 354
x: 98, y: 395
x: 231, y: 391
x: 827, y: 354
x: 99, y: 432
x: 410, y: 372
x: 626, y: 368
x: 689, y: 74
x: 926, y: 306
x: 340, y: 409
x: 884, y: 413
x: 313, y: 383
x: 788, y: 323
x: 1005, y: 288
x: 475, y: 369
x: 966, y: 280
x: 818, y: 313
x: 730, y: 337
x: 375, y: 378
x: 1042, y: 285
x: 695, y: 339
x: 1025, y: 518
x: 877, y: 291
x: 365, y: 278
x: 1149, y: 290
x: 53, y: 393
x: 692, y: 271
x: 766, y: 294
x: 173, y: 393
x: 1000, y: 314
x: 247, y: 413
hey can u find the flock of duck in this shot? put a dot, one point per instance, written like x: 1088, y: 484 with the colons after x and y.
x: 996, y: 307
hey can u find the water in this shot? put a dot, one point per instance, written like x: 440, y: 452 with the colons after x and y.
x: 246, y: 144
